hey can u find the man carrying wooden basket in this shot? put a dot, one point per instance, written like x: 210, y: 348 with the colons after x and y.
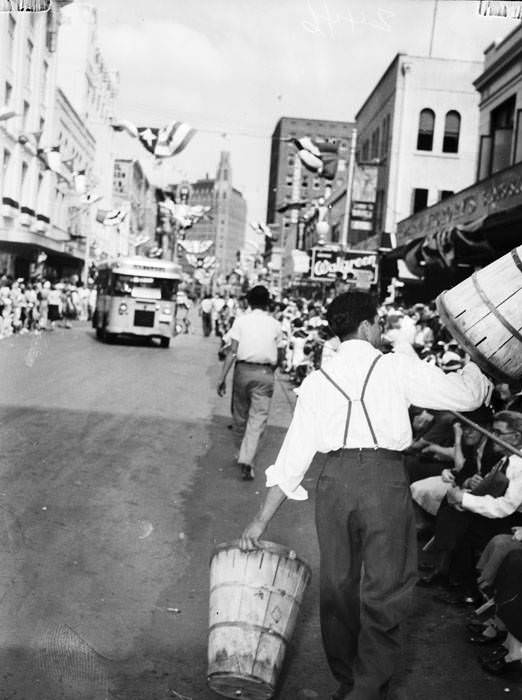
x: 355, y: 410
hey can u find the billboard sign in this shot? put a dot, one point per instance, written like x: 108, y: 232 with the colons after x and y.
x: 356, y: 266
x: 364, y: 194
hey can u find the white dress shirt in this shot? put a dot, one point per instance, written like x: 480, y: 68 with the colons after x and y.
x: 505, y: 505
x: 398, y: 380
x: 258, y: 335
x: 206, y: 306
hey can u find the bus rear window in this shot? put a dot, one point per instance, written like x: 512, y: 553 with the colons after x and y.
x: 142, y: 287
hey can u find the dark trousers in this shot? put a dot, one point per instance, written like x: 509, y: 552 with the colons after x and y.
x: 368, y: 548
x: 464, y: 534
x: 206, y: 320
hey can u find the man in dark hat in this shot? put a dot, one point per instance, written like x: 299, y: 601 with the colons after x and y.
x: 255, y: 337
x: 356, y: 411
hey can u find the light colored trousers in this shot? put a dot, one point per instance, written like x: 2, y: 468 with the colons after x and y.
x: 252, y: 391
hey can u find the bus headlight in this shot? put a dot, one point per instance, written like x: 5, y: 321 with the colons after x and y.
x: 166, y: 310
x: 123, y: 308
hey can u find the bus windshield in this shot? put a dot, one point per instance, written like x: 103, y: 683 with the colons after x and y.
x: 142, y: 287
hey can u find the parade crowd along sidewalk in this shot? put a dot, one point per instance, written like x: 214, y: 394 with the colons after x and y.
x: 471, y: 557
x: 466, y: 488
x: 39, y: 305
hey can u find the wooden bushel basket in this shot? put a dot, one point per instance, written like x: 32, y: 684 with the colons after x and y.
x: 484, y: 314
x: 254, y: 602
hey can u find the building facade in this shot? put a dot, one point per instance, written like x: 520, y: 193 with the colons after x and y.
x: 289, y: 181
x: 445, y: 242
x: 92, y: 89
x: 419, y: 125
x: 135, y: 196
x: 226, y: 225
x: 35, y: 235
x: 500, y: 89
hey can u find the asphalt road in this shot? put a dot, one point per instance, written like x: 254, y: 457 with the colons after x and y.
x: 116, y: 481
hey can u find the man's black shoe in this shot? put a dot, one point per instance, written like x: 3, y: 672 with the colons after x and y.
x: 496, y: 664
x: 247, y: 472
x: 475, y: 627
x: 484, y: 639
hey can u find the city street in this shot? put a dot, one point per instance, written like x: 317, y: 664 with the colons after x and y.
x: 116, y: 481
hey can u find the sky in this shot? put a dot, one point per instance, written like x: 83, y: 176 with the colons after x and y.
x: 232, y: 68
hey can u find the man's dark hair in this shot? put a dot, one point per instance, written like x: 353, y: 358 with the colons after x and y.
x: 258, y: 297
x: 347, y: 311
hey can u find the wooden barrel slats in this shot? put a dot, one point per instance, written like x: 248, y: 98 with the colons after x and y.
x: 484, y: 313
x: 254, y: 602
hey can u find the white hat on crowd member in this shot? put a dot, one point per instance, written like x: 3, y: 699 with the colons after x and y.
x: 451, y: 361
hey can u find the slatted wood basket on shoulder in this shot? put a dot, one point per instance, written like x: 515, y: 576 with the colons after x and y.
x: 484, y: 314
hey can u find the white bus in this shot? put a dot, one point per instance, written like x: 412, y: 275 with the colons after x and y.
x: 136, y: 296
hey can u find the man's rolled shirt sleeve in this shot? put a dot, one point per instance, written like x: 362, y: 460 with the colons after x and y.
x: 501, y: 507
x: 297, y: 451
x: 427, y: 386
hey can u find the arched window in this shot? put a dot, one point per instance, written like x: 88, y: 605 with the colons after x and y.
x: 426, y: 127
x: 450, y: 143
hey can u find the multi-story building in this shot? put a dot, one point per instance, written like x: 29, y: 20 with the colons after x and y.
x: 500, y: 89
x: 70, y: 219
x: 289, y: 181
x: 448, y: 240
x: 226, y: 226
x: 134, y: 195
x: 34, y: 226
x: 92, y: 88
x: 420, y: 125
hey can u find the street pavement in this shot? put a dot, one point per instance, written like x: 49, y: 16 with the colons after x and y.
x: 117, y: 479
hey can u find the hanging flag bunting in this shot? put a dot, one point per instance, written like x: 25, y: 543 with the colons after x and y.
x: 53, y: 158
x: 90, y: 198
x: 201, y: 262
x: 317, y: 156
x: 173, y: 139
x: 7, y: 112
x: 183, y: 215
x: 261, y: 229
x: 120, y: 125
x: 199, y: 212
x: 148, y: 137
x: 289, y: 206
x: 111, y: 217
x: 196, y: 247
x: 80, y: 181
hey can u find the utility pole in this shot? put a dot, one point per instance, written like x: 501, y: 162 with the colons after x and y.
x: 349, y: 183
x: 435, y: 6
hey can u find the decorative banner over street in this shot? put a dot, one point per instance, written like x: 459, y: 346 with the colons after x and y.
x: 196, y: 247
x: 162, y: 142
x: 320, y: 157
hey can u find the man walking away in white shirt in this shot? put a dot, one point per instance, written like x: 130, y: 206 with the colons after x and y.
x: 356, y: 411
x: 254, y: 340
x: 205, y: 310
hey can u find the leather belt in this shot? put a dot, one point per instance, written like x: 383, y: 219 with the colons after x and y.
x: 257, y: 364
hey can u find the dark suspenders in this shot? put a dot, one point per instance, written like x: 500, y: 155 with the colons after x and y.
x: 361, y: 399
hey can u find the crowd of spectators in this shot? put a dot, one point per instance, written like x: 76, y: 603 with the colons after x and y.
x: 39, y: 305
x: 469, y: 556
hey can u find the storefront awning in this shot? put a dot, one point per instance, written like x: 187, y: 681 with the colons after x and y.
x: 469, y: 229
